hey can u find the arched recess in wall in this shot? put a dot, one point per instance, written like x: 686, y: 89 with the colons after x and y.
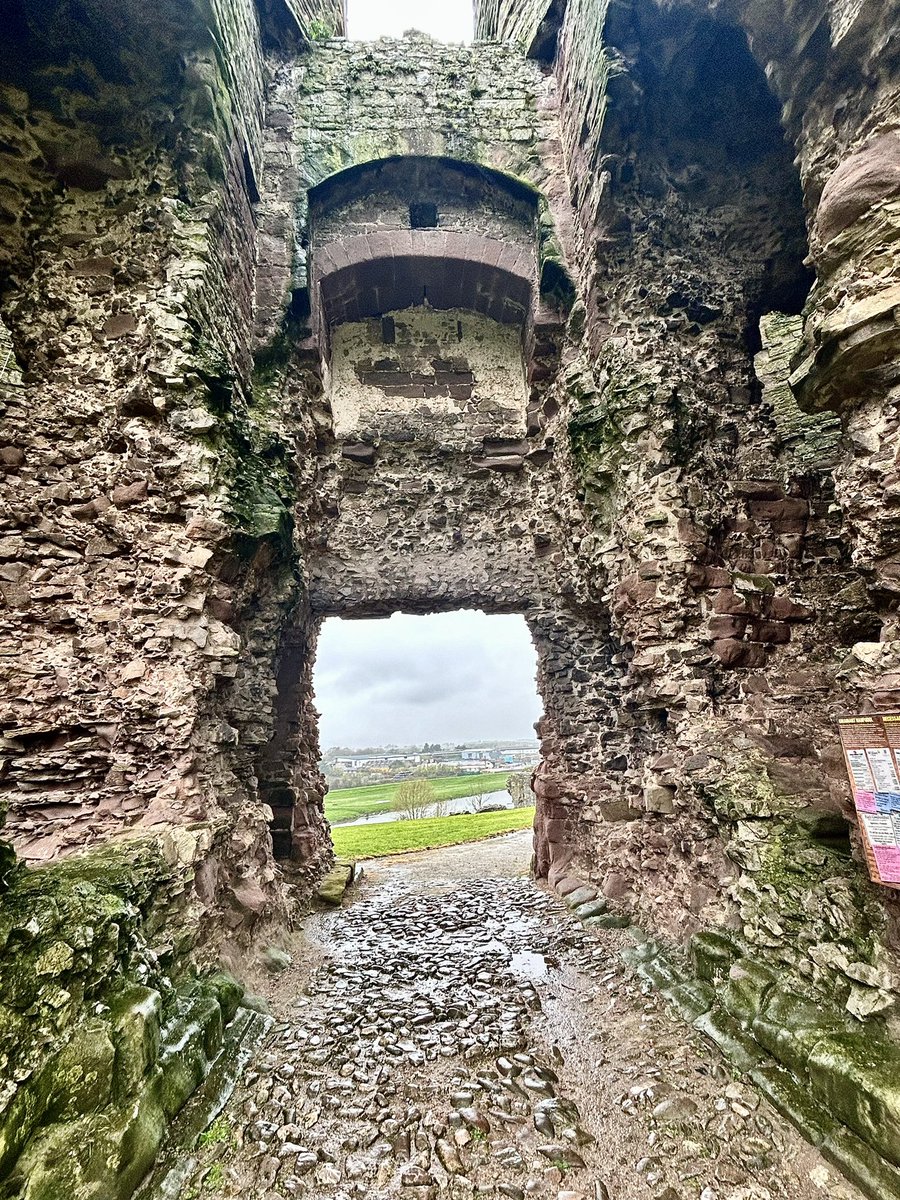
x: 695, y: 157
x: 482, y: 238
x: 396, y: 232
x: 491, y: 225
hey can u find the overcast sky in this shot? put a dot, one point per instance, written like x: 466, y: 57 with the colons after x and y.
x: 450, y: 677
x: 444, y: 20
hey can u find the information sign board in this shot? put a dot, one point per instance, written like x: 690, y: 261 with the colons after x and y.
x: 872, y: 754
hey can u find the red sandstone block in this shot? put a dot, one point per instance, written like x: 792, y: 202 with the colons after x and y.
x: 491, y: 250
x: 774, y: 632
x: 555, y: 830
x: 650, y: 569
x: 782, y: 608
x: 506, y: 462
x: 222, y: 610
x: 547, y: 789
x: 639, y: 591
x: 533, y: 423
x: 455, y: 245
x: 690, y: 534
x: 358, y: 452
x: 88, y: 267
x: 615, y: 885
x: 731, y: 653
x: 795, y: 526
x: 524, y: 264
x: 778, y: 510
x: 273, y: 252
x: 337, y: 255
x: 727, y: 626
x: 728, y: 601
x: 509, y: 260
x: 757, y: 489
x: 555, y: 810
x: 381, y: 245
x: 129, y: 493
x: 403, y: 241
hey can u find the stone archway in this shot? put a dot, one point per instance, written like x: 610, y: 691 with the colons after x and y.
x: 576, y: 678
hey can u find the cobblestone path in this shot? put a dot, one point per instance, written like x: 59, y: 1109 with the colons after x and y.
x: 462, y: 1035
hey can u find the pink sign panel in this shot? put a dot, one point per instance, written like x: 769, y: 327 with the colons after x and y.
x: 888, y: 860
x: 871, y: 745
x: 865, y: 802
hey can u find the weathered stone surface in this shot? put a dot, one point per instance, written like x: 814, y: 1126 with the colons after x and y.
x: 869, y: 176
x: 508, y: 302
x: 332, y: 888
x: 99, y: 1046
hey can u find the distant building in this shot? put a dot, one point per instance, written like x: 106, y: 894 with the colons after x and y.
x: 353, y: 762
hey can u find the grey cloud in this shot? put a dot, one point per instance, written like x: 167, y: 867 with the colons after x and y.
x: 451, y: 676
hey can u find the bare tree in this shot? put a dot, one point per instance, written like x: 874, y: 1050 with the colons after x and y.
x: 413, y: 799
x: 519, y: 787
x: 479, y: 801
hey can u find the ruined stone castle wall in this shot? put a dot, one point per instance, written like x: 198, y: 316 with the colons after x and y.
x: 743, y: 551
x: 742, y: 603
x: 294, y: 327
x: 141, y: 562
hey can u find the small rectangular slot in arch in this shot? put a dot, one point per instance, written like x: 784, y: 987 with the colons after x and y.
x: 423, y: 215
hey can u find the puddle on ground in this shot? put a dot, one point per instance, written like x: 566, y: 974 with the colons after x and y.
x: 528, y: 965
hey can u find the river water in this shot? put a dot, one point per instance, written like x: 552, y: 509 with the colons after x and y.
x: 441, y: 808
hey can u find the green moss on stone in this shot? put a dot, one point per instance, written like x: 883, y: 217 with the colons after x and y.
x: 789, y: 1026
x: 82, y: 1073
x: 858, y: 1077
x: 744, y: 991
x: 135, y: 1015
x: 712, y: 954
x: 599, y: 429
x: 103, y: 1060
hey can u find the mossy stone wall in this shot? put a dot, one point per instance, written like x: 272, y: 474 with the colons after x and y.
x: 105, y: 1030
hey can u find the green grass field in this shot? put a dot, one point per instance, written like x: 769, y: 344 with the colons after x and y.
x: 396, y: 837
x: 349, y: 803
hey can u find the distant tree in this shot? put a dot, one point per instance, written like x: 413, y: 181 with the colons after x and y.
x: 412, y: 799
x: 519, y: 787
x: 479, y: 801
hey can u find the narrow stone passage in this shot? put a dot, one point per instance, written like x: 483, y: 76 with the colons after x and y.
x: 459, y: 1034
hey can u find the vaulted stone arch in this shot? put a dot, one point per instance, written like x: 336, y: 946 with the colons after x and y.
x: 446, y: 271
x: 400, y: 232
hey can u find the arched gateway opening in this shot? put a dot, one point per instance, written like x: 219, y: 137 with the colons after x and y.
x: 427, y: 717
x: 570, y: 654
